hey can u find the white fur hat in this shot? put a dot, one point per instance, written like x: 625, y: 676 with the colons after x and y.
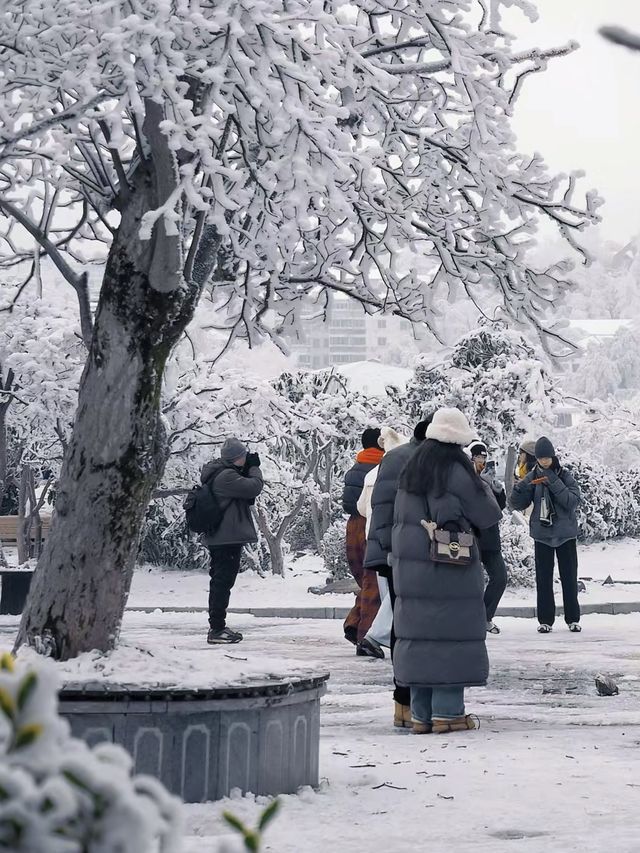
x: 450, y: 426
x: 389, y: 439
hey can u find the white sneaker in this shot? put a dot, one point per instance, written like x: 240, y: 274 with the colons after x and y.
x: 575, y: 627
x: 544, y: 629
x: 492, y: 628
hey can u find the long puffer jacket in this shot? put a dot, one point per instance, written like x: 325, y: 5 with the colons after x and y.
x: 236, y: 492
x: 382, y: 503
x: 439, y: 615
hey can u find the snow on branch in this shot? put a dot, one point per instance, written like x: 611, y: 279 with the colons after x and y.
x: 291, y: 152
x: 618, y: 35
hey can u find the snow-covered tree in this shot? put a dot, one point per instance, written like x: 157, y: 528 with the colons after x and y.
x: 496, y: 377
x: 269, y: 152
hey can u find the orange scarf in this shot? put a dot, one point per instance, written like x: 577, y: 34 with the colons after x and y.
x: 370, y: 456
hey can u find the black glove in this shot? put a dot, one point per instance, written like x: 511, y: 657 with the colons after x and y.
x: 253, y: 461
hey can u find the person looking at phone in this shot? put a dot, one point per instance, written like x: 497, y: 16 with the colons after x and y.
x: 489, y: 539
x: 555, y: 497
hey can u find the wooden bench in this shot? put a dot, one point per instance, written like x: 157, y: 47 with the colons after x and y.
x: 9, y: 529
x: 15, y: 583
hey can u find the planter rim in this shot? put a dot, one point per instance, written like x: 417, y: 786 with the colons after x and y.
x: 115, y: 692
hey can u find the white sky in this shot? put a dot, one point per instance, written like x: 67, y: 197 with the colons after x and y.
x: 584, y: 111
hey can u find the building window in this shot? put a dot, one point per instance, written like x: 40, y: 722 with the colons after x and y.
x: 382, y: 324
x: 382, y: 342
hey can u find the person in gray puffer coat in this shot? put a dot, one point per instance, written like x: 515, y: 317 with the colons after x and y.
x: 555, y: 497
x: 379, y: 541
x: 439, y: 615
x: 236, y: 481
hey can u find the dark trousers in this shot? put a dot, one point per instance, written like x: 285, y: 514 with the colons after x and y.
x: 494, y: 566
x: 402, y: 695
x: 225, y: 565
x: 568, y: 566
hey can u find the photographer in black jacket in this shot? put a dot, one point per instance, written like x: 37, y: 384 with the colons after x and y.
x: 236, y: 481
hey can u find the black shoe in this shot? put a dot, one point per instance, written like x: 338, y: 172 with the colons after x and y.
x: 351, y: 635
x: 225, y: 636
x: 544, y: 629
x: 370, y: 649
x: 574, y: 627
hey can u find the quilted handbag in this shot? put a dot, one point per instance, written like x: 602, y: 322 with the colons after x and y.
x: 453, y: 547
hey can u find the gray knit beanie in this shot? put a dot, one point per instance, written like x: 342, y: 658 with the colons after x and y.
x: 232, y: 449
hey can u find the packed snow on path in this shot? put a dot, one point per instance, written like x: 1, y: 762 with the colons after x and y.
x: 554, y: 767
x: 155, y: 587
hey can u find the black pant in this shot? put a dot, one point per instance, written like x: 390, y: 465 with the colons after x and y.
x: 568, y: 567
x: 225, y: 565
x: 402, y: 695
x: 494, y: 566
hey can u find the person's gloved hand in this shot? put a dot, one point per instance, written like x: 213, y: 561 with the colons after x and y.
x: 488, y: 476
x: 253, y: 461
x: 497, y: 486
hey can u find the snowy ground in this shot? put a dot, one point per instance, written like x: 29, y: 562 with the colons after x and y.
x: 553, y: 767
x: 153, y: 587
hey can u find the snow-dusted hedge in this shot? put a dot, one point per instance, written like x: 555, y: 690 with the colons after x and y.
x: 610, y: 504
x: 57, y: 795
x: 334, y: 546
x: 166, y: 540
x: 517, y: 550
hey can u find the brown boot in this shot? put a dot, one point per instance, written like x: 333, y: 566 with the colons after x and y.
x: 402, y: 716
x: 456, y: 724
x: 422, y: 728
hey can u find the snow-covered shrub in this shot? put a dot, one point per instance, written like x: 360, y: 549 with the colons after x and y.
x: 167, y: 541
x: 517, y: 550
x: 610, y: 503
x: 57, y: 795
x: 300, y: 536
x: 334, y: 547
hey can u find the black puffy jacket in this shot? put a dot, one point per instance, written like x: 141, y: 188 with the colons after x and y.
x: 354, y: 478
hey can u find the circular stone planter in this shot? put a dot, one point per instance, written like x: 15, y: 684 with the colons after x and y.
x: 259, y: 737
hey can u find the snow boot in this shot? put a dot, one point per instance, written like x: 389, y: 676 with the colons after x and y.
x: 419, y: 728
x: 351, y: 634
x: 544, y: 629
x: 225, y: 636
x: 492, y: 628
x: 402, y: 716
x: 369, y: 648
x: 441, y: 725
x: 575, y: 627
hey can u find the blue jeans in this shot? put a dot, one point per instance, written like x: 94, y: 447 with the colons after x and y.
x: 442, y: 702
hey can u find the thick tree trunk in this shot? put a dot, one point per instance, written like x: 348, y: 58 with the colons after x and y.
x: 116, y: 454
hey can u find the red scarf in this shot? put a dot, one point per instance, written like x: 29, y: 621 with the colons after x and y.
x: 370, y: 456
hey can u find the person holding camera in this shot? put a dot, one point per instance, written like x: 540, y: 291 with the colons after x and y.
x: 235, y: 481
x: 555, y: 497
x: 489, y: 539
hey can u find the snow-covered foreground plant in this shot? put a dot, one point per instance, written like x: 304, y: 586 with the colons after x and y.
x: 57, y: 795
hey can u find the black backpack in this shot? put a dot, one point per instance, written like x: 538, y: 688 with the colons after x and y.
x: 202, y: 509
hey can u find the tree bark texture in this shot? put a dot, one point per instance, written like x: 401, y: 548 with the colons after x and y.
x: 117, y: 451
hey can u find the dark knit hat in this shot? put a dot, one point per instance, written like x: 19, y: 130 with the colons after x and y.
x: 370, y: 437
x: 233, y: 449
x: 420, y: 430
x: 544, y: 448
x: 477, y: 447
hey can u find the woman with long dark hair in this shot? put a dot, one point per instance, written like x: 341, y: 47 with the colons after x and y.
x: 439, y: 614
